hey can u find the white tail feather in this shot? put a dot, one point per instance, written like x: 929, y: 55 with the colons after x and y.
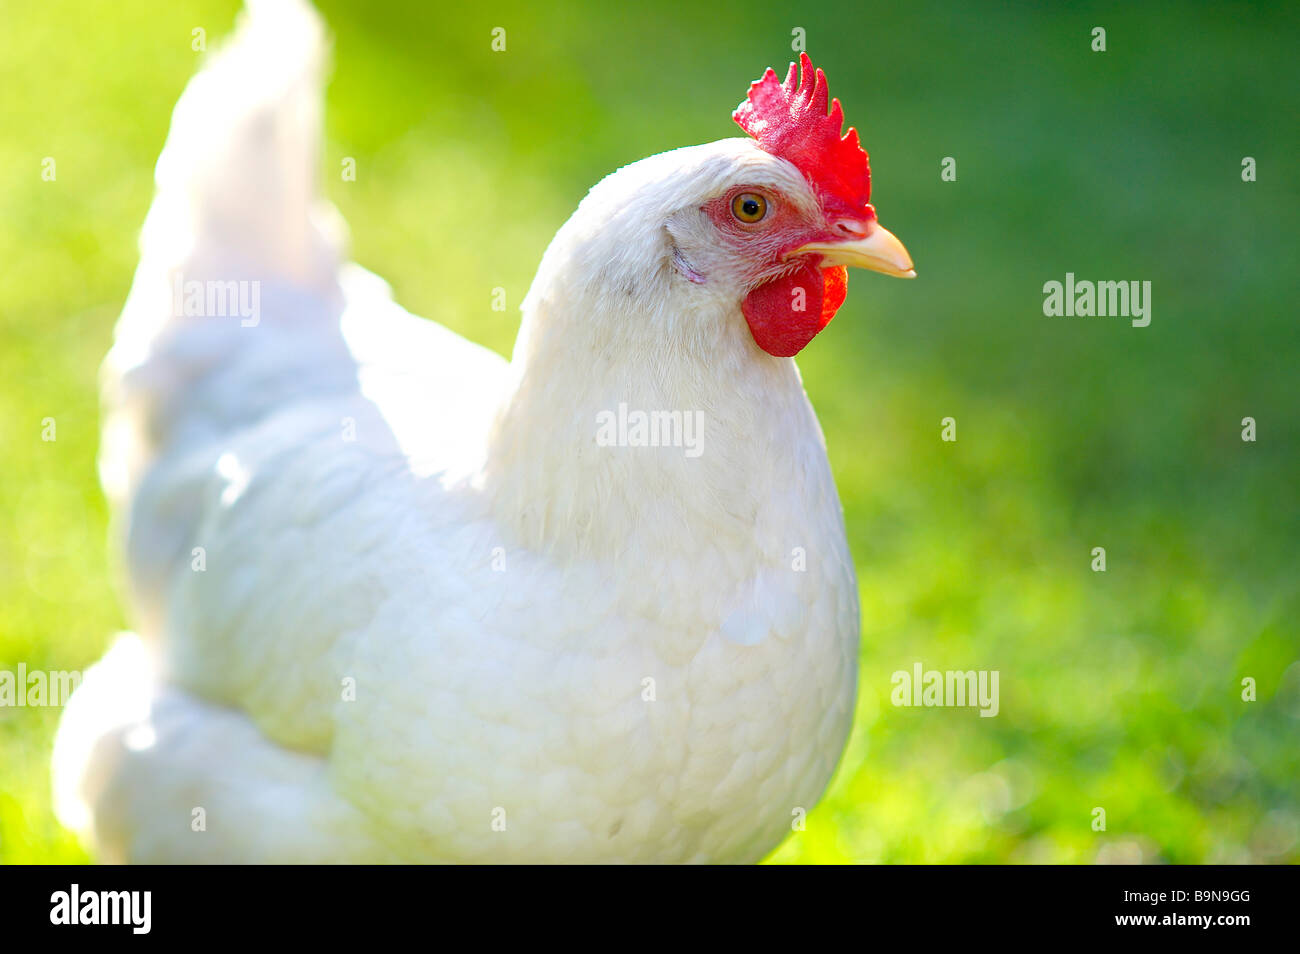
x: 236, y: 212
x: 237, y: 180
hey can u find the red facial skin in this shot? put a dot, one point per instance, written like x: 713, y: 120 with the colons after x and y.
x: 786, y: 311
x: 797, y: 121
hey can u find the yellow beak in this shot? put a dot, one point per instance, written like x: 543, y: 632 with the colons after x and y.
x: 880, y: 251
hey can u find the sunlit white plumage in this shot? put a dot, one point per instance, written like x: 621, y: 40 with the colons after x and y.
x: 393, y: 600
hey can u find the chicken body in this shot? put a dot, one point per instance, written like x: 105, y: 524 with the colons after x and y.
x: 395, y: 602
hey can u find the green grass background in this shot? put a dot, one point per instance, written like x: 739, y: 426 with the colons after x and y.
x: 1121, y: 689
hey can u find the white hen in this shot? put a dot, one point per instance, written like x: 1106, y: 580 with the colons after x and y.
x: 395, y: 599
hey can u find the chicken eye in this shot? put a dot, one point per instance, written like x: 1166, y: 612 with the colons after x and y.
x: 749, y: 207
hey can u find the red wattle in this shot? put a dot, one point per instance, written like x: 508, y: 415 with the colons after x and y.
x: 779, y: 326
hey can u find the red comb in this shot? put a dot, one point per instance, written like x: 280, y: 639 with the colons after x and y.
x: 790, y: 120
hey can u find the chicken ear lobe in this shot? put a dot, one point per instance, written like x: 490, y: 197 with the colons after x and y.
x: 787, y: 313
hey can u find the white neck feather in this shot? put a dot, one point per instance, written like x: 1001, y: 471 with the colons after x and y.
x: 637, y: 333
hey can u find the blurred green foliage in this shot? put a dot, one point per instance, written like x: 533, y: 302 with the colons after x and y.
x: 1119, y: 689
